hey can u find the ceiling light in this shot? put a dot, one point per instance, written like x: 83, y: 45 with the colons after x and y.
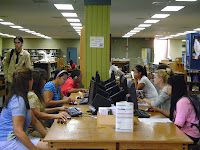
x: 73, y: 20
x: 190, y: 31
x: 17, y: 27
x: 197, y: 29
x: 186, y: 0
x: 24, y: 29
x: 69, y: 14
x: 30, y: 31
x: 64, y: 6
x: 134, y: 31
x: 172, y: 8
x: 144, y: 25
x: 1, y: 19
x: 76, y: 24
x: 125, y: 36
x: 6, y: 23
x: 158, y: 35
x: 139, y: 28
x: 174, y: 35
x: 151, y: 21
x: 77, y: 28
x: 183, y: 40
x: 180, y: 33
x: 160, y: 16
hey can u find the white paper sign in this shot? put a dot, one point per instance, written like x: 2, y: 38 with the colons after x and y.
x: 97, y: 41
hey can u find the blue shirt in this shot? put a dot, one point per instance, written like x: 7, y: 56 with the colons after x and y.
x: 51, y: 87
x: 16, y: 107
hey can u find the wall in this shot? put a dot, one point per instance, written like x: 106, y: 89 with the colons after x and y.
x: 47, y: 44
x: 174, y: 49
x: 135, y: 45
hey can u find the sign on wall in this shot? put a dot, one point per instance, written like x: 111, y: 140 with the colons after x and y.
x: 97, y: 41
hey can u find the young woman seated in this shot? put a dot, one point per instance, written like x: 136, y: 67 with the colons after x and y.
x: 143, y: 83
x: 181, y: 112
x: 52, y: 93
x: 36, y: 100
x: 163, y: 100
x: 16, y: 116
x: 71, y: 85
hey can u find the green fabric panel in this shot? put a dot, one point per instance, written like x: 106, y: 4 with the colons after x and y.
x: 97, y: 23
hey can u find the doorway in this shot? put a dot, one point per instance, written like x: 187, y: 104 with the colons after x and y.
x: 72, y: 54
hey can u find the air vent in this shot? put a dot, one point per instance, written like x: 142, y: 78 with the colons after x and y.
x: 40, y: 1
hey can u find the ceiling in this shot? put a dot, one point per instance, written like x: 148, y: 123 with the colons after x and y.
x: 41, y: 16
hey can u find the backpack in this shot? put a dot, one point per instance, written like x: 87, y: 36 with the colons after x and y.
x: 11, y: 54
x: 196, y: 104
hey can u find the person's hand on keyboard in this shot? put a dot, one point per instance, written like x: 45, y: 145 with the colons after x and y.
x: 68, y: 99
x: 62, y: 115
x: 63, y: 108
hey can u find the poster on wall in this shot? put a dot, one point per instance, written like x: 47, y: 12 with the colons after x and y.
x: 97, y: 41
x: 196, y: 47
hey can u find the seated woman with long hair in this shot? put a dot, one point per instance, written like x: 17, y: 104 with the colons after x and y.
x: 16, y: 116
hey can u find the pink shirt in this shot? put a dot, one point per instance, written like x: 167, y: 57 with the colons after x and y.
x: 185, y: 115
x: 69, y: 84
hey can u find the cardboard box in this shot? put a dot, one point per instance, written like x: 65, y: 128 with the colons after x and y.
x: 105, y: 119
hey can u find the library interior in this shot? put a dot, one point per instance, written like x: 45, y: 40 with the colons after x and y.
x: 103, y: 74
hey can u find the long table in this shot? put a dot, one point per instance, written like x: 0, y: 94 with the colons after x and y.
x: 84, y: 133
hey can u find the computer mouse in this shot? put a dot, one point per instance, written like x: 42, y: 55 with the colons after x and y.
x: 79, y: 97
x: 72, y: 103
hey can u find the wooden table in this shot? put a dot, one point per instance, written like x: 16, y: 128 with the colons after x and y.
x: 84, y: 133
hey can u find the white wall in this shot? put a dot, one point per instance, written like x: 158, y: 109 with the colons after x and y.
x: 62, y: 44
x: 174, y: 49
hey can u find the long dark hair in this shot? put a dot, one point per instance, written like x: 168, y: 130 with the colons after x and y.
x: 71, y: 62
x: 20, y: 85
x: 179, y: 89
x: 39, y: 75
x: 141, y: 69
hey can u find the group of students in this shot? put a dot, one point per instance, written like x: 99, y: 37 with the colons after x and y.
x: 172, y: 100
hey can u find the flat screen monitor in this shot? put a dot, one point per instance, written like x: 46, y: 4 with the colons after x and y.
x: 98, y: 85
x: 108, y: 80
x: 101, y: 101
x: 113, y: 75
x: 92, y: 92
x: 133, y: 97
x: 110, y: 84
x: 119, y: 96
x: 123, y: 83
x: 97, y: 77
x: 114, y: 89
x: 103, y: 93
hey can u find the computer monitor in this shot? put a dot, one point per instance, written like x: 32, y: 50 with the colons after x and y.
x: 113, y: 75
x: 119, y: 96
x: 114, y: 89
x: 123, y: 83
x: 108, y: 80
x: 92, y: 92
x: 97, y: 77
x: 103, y: 93
x: 101, y: 101
x: 110, y: 84
x: 98, y: 85
x: 133, y: 97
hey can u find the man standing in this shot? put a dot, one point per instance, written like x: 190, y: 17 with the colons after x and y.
x: 15, y: 59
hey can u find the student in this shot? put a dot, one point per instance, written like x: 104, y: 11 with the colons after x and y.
x: 72, y: 64
x: 181, y: 112
x: 163, y: 99
x: 115, y: 69
x: 52, y: 93
x: 16, y: 116
x: 143, y: 83
x: 164, y: 66
x: 15, y: 59
x: 36, y: 100
x: 71, y: 85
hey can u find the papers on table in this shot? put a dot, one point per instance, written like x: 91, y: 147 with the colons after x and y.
x: 164, y: 120
x: 143, y: 104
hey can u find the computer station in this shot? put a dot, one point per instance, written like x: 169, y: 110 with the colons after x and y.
x: 99, y: 74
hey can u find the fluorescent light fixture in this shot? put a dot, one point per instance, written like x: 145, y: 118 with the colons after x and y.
x: 73, y: 20
x: 174, y: 35
x: 6, y: 23
x: 134, y: 31
x: 158, y: 35
x: 77, y: 28
x: 17, y: 27
x: 24, y: 29
x: 125, y: 36
x: 197, y: 29
x: 172, y: 8
x: 1, y: 19
x: 64, y: 6
x: 181, y: 34
x: 129, y: 33
x: 30, y: 31
x: 144, y: 25
x: 160, y: 16
x: 138, y: 28
x: 186, y: 0
x: 76, y: 24
x: 69, y: 14
x: 183, y: 40
x: 151, y: 21
x: 190, y: 31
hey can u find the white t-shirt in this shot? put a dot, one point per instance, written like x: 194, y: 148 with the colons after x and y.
x: 149, y: 90
x: 113, y: 68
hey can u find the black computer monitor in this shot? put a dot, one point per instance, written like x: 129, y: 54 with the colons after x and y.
x: 108, y: 80
x: 113, y: 75
x: 119, y: 96
x: 133, y: 97
x: 98, y: 85
x: 97, y: 77
x: 101, y: 101
x: 123, y: 83
x: 110, y: 84
x: 92, y: 92
x: 103, y: 93
x: 114, y: 89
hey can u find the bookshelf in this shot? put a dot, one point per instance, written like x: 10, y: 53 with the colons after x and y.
x: 192, y: 78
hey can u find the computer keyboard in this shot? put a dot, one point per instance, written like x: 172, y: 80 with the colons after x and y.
x: 141, y: 113
x: 83, y: 101
x: 74, y: 112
